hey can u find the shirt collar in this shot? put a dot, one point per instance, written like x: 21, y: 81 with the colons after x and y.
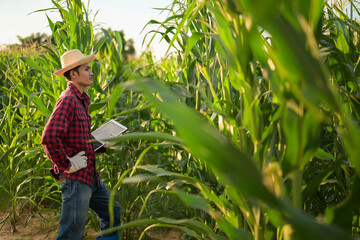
x: 77, y: 93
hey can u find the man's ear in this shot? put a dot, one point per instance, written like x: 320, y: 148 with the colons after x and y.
x: 73, y: 74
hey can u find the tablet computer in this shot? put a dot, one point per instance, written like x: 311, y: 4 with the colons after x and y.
x: 110, y: 129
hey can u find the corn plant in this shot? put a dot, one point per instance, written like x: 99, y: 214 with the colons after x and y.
x: 24, y: 181
x: 263, y: 96
x: 29, y: 92
x: 248, y: 131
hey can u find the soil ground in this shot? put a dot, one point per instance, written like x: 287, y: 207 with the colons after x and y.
x: 39, y: 228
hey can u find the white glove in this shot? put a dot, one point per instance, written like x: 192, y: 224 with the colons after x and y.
x: 78, y: 162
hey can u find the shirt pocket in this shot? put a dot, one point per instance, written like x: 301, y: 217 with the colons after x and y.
x: 83, y: 120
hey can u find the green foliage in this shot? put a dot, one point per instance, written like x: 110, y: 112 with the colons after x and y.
x: 248, y: 131
x: 275, y: 127
x: 28, y: 95
x: 128, y: 49
x: 24, y: 175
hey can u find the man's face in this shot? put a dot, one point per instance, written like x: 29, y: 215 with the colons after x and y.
x: 84, y: 77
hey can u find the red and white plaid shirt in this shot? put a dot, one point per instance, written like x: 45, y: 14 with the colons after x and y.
x: 67, y: 133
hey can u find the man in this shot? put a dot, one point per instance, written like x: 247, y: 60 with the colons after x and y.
x: 66, y: 143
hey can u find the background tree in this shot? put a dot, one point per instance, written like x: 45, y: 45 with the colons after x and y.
x: 34, y: 39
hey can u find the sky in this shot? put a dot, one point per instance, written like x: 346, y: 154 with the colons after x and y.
x: 131, y: 16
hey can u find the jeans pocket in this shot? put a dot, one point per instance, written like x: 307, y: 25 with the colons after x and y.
x: 65, y: 188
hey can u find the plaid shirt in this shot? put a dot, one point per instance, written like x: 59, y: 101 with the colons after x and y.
x: 67, y: 133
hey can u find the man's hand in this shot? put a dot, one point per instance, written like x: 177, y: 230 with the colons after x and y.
x: 109, y: 144
x: 78, y: 162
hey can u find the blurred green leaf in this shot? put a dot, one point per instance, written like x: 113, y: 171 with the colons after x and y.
x: 113, y: 99
x: 98, y: 105
x: 145, y: 136
x: 194, y: 201
x: 33, y: 64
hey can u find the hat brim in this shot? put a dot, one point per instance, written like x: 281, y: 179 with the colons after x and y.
x: 81, y: 61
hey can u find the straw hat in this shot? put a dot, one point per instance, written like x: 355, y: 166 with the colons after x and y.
x: 72, y: 59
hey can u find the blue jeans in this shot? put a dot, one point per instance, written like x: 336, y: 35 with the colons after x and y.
x: 77, y: 198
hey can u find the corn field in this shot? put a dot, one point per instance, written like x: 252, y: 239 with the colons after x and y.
x: 249, y: 129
